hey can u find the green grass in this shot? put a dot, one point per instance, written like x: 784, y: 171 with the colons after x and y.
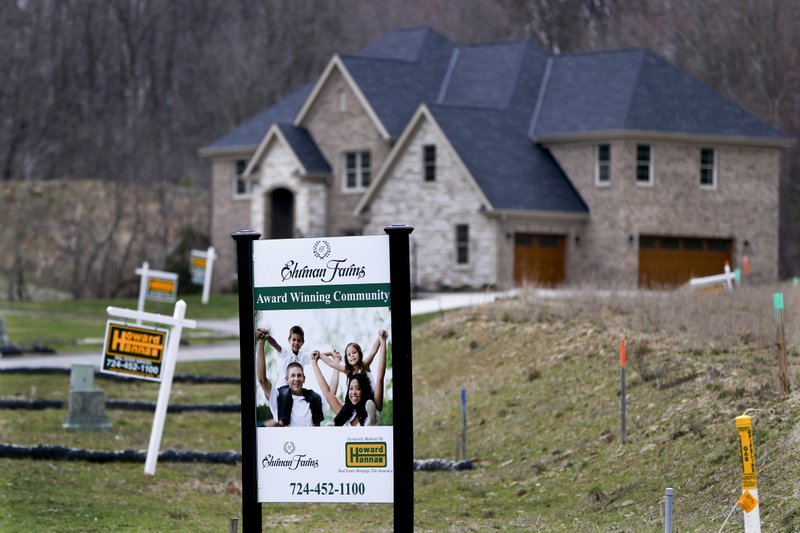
x: 542, y: 379
x: 61, y: 324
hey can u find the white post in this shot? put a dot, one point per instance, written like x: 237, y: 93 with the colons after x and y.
x: 168, y: 370
x: 142, y: 288
x: 728, y: 277
x: 211, y: 255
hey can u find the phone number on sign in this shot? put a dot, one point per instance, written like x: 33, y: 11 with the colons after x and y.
x: 132, y: 366
x: 325, y: 489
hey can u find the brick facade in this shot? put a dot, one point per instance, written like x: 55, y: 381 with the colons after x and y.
x: 742, y: 207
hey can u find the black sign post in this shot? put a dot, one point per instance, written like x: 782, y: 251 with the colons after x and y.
x: 400, y: 279
x: 251, y: 509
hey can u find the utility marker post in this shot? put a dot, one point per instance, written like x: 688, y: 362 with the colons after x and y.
x: 623, y: 394
x: 749, y: 500
x: 783, y: 372
x: 668, y: 511
x: 464, y: 422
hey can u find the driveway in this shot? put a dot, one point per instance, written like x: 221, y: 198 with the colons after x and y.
x: 426, y: 303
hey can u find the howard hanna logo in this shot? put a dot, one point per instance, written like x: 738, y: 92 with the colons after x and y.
x: 365, y: 454
x: 292, y: 463
x: 333, y: 269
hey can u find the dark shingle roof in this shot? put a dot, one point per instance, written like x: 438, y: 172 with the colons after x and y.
x: 306, y: 149
x: 492, y: 99
x: 513, y: 172
x: 636, y: 90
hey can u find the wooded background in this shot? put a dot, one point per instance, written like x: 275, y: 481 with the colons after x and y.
x: 120, y: 94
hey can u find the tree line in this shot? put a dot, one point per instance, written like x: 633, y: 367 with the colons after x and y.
x: 123, y: 92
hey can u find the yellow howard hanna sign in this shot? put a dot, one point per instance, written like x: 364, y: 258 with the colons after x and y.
x: 134, y: 350
x: 365, y: 454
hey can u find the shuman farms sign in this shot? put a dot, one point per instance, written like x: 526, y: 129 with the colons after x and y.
x: 325, y: 327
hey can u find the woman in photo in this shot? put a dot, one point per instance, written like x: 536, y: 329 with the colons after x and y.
x: 364, y: 392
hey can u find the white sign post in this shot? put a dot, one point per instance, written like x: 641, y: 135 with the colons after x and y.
x: 177, y: 322
x: 156, y: 285
x: 727, y: 279
x: 201, y: 266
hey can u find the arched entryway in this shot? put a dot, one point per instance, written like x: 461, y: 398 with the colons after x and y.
x: 280, y: 214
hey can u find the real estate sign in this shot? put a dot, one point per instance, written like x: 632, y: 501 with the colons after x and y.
x: 134, y: 351
x: 338, y: 291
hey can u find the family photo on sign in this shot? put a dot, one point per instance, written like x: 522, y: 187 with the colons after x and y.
x: 292, y: 404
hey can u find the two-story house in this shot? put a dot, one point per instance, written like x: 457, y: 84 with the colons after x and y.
x: 513, y: 165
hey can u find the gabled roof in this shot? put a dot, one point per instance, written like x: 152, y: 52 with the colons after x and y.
x: 500, y: 103
x: 303, y: 148
x: 637, y: 91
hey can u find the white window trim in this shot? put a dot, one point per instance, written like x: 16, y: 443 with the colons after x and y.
x: 360, y: 187
x: 650, y: 181
x: 248, y: 184
x: 597, y: 181
x: 715, y: 166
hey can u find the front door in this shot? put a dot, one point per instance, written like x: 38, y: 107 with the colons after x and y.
x: 281, y: 214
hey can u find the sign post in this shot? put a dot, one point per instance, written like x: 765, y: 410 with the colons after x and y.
x: 251, y: 507
x: 149, y: 342
x: 201, y: 267
x: 156, y: 285
x: 399, y: 271
x: 749, y: 499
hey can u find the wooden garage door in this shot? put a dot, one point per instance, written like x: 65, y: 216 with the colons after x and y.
x: 538, y: 259
x: 672, y: 261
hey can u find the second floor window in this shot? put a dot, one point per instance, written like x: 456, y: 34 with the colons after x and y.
x: 242, y: 185
x: 357, y: 170
x: 429, y: 162
x: 462, y: 244
x: 603, y: 174
x: 708, y: 171
x: 644, y: 165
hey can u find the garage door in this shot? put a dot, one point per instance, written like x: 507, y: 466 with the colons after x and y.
x: 673, y: 261
x: 538, y: 259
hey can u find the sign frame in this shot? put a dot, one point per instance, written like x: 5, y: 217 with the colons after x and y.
x: 400, y: 313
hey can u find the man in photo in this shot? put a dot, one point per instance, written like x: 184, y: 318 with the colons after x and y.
x: 291, y: 404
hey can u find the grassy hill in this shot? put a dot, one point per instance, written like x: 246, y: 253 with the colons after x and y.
x: 544, y: 419
x: 542, y: 383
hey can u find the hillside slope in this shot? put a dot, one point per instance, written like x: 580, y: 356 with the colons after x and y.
x: 542, y: 380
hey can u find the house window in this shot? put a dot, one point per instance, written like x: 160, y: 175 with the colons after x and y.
x: 242, y: 186
x: 644, y: 165
x: 429, y: 162
x: 357, y: 170
x: 708, y: 168
x: 462, y: 244
x: 603, y: 174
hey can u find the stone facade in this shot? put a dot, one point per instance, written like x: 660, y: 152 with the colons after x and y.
x: 743, y: 206
x: 339, y: 123
x: 434, y: 209
x: 279, y: 170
